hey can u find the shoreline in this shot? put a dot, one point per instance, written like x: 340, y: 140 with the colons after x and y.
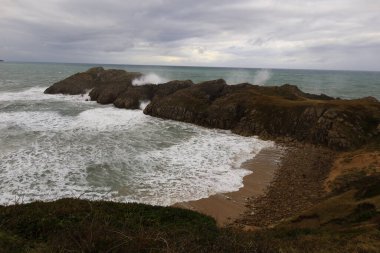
x: 286, y: 179
x: 226, y: 208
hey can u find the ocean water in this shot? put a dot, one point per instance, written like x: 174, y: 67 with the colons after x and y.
x: 54, y: 146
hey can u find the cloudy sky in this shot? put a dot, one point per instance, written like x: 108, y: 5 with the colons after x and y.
x: 322, y: 34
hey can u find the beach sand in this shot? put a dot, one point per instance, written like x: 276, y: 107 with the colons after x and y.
x: 225, y: 208
x: 285, y: 180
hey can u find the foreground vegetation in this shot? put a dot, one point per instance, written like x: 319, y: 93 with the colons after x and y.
x: 347, y: 221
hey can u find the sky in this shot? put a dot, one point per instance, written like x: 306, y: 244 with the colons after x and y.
x: 318, y: 34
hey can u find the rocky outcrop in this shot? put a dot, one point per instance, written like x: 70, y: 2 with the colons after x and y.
x: 105, y: 83
x: 114, y: 86
x: 273, y: 112
x: 268, y: 111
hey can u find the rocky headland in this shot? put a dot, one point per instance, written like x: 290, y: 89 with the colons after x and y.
x: 271, y: 112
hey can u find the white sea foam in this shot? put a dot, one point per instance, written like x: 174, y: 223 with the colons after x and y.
x: 120, y: 155
x: 108, y: 153
x: 262, y: 76
x: 202, y: 166
x: 144, y: 104
x: 99, y: 119
x: 150, y: 78
x: 37, y: 94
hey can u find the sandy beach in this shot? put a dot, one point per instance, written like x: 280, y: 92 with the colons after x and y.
x: 225, y: 208
x: 285, y: 180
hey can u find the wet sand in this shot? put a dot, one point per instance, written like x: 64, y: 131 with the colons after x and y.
x: 227, y: 207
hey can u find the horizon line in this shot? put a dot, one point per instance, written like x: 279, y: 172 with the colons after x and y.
x: 185, y: 66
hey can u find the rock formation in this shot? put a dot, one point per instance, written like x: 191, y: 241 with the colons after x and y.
x: 114, y: 86
x: 268, y: 111
x: 107, y: 82
x: 273, y: 112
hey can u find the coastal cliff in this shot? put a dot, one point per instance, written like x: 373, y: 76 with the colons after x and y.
x: 271, y: 112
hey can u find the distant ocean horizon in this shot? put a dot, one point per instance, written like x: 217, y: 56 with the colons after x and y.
x: 185, y: 66
x: 54, y: 146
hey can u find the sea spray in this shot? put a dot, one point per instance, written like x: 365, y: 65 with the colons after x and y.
x: 262, y: 76
x: 37, y: 94
x: 150, y: 78
x: 243, y: 76
x: 143, y: 104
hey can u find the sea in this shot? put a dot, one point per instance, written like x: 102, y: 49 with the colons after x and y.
x: 62, y: 146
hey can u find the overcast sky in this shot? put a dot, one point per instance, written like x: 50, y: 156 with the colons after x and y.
x: 322, y: 34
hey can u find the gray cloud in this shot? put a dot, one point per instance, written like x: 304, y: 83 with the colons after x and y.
x: 265, y: 33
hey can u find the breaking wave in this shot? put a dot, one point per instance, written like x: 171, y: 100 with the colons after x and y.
x: 119, y: 155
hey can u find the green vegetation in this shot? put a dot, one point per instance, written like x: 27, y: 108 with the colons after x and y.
x: 345, y: 222
x: 71, y: 225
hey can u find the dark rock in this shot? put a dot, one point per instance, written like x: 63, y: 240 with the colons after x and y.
x: 107, y: 93
x: 268, y: 111
x: 114, y: 86
x: 127, y: 103
x: 109, y: 82
x: 76, y: 84
x: 132, y: 96
x: 273, y: 112
x: 168, y: 88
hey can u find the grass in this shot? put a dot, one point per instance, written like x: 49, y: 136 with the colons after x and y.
x: 72, y: 225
